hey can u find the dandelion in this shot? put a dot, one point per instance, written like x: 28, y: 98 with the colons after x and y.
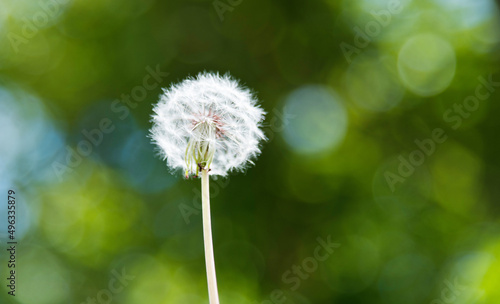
x: 209, y: 125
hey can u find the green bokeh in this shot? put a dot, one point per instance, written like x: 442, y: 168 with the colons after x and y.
x: 354, y: 91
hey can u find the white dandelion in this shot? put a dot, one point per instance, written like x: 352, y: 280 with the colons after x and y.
x: 209, y: 121
x: 208, y: 124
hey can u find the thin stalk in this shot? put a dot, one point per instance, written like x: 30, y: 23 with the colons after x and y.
x: 213, y: 294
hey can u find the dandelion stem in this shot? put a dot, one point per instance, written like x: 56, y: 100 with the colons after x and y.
x: 213, y: 295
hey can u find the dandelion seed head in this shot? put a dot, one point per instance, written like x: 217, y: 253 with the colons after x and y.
x: 207, y: 122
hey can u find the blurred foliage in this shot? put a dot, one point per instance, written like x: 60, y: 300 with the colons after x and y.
x: 355, y: 91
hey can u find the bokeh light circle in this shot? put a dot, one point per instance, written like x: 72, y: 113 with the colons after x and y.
x: 23, y: 116
x: 427, y: 64
x: 467, y: 14
x: 319, y: 120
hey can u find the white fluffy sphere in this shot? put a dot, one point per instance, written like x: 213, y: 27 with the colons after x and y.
x: 209, y: 122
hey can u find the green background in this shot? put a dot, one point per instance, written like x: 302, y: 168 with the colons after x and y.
x: 355, y: 92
